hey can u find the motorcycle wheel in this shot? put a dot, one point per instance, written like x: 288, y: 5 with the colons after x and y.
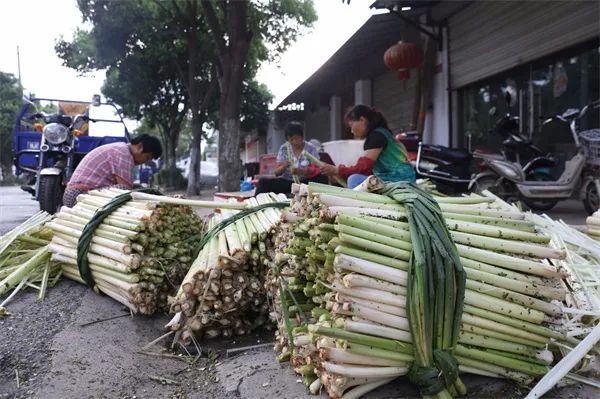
x: 51, y: 193
x: 591, y: 202
x: 539, y: 205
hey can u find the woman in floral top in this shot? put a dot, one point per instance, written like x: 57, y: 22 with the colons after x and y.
x: 292, y: 164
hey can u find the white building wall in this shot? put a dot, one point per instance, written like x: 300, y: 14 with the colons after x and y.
x: 363, y: 92
x: 335, y: 118
x: 437, y: 129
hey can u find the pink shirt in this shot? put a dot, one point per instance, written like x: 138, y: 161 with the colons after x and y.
x: 102, y: 166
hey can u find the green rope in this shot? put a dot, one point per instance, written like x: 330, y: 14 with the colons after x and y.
x: 87, y: 234
x: 436, y: 289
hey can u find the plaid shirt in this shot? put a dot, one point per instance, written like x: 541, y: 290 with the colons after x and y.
x: 102, y: 166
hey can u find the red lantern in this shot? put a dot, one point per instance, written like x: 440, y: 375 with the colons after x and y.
x: 402, y: 57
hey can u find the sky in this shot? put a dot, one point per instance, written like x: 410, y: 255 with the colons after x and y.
x: 35, y: 25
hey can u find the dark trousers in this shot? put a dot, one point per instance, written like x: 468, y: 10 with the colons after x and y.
x: 279, y: 185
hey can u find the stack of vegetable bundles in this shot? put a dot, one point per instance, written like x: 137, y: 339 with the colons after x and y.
x: 223, y: 292
x: 137, y: 255
x: 376, y: 286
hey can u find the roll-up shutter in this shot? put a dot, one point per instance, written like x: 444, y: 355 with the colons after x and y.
x: 489, y: 37
x: 395, y: 99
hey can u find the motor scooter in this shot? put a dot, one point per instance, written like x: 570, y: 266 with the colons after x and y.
x: 519, y: 148
x: 580, y: 179
x: 449, y: 168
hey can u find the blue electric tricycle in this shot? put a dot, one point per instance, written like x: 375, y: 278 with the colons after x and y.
x: 48, y: 147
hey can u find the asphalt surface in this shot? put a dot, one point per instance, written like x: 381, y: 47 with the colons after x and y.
x: 15, y: 207
x: 77, y: 344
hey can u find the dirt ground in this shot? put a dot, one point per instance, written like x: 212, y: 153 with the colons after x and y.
x: 48, y: 350
x: 77, y: 344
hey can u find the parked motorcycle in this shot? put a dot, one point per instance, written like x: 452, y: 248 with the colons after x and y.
x: 519, y: 148
x: 50, y: 158
x: 449, y: 168
x: 56, y: 150
x: 540, y: 190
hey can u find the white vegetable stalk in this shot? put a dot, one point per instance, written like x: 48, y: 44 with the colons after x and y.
x: 338, y: 355
x: 357, y: 280
x: 181, y: 201
x: 565, y: 365
x: 371, y: 294
x: 136, y: 254
x: 363, y: 389
x: 364, y: 372
x: 222, y: 294
x: 368, y: 268
x: 347, y: 301
x: 377, y: 330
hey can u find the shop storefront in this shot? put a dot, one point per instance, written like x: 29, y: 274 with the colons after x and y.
x: 545, y: 55
x: 538, y: 90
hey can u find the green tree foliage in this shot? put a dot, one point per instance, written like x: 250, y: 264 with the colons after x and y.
x: 211, y: 48
x: 11, y: 93
x: 157, y: 63
x: 255, y: 114
x: 156, y: 94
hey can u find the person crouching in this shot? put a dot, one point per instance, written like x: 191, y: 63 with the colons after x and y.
x: 111, y: 165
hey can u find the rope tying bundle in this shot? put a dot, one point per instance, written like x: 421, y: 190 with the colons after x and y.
x: 87, y: 234
x: 436, y: 289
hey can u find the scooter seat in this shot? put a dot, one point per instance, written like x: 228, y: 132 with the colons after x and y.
x: 451, y: 154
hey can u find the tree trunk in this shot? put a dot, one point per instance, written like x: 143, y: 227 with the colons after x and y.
x: 229, y: 154
x: 233, y: 60
x: 193, y: 187
x: 171, y: 162
x: 6, y: 159
x: 7, y: 174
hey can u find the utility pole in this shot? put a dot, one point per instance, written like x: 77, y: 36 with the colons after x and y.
x: 19, y: 65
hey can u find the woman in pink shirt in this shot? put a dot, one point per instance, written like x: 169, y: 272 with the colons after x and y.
x: 111, y: 165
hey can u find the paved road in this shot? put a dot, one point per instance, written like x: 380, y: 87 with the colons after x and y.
x: 15, y: 207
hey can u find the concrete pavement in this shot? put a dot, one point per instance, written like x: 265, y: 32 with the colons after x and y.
x: 15, y: 207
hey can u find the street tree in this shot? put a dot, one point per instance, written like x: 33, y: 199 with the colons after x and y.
x: 246, y: 33
x: 11, y: 93
x: 209, y: 62
x: 167, y: 34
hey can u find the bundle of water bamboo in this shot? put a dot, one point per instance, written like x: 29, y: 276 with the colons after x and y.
x: 342, y: 295
x: 223, y: 292
x: 138, y: 255
x: 25, y: 260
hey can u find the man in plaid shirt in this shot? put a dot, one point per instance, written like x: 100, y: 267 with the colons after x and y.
x: 111, y: 165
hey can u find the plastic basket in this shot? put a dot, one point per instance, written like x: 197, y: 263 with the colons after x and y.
x: 590, y: 142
